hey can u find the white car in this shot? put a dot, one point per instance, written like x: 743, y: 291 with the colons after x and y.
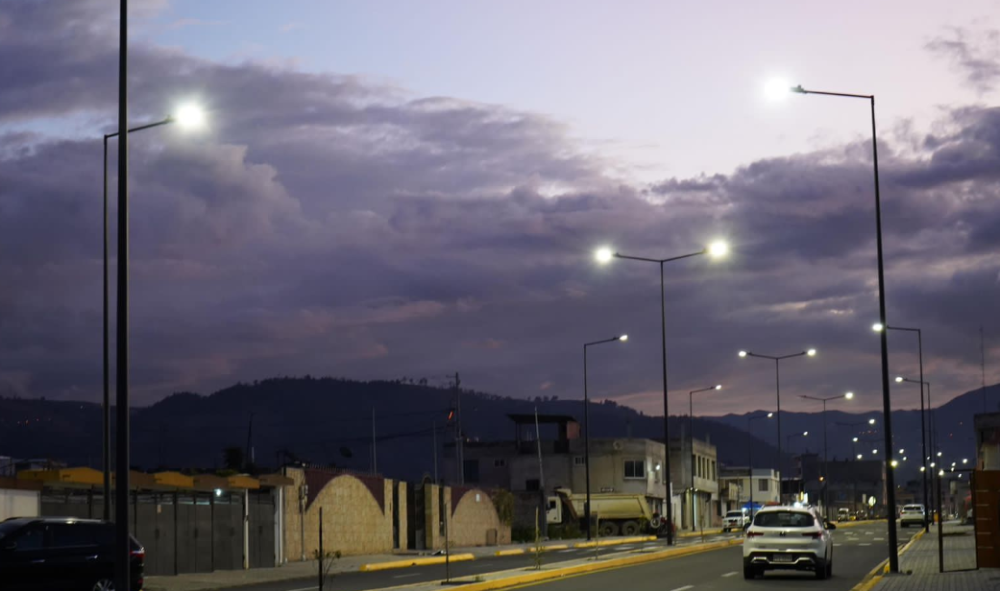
x: 912, y: 514
x: 734, y: 520
x: 788, y: 538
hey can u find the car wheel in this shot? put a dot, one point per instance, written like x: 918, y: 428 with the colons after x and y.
x: 829, y: 569
x: 104, y: 585
x: 821, y: 570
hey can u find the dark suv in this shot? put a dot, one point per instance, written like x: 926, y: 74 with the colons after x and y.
x: 62, y: 553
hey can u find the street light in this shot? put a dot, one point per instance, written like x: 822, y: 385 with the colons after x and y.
x: 605, y: 255
x: 886, y: 403
x: 826, y: 473
x: 691, y: 438
x: 777, y: 390
x: 586, y: 420
x: 750, y: 420
x: 186, y: 117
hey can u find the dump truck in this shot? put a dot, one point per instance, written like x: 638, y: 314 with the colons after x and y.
x: 616, y: 513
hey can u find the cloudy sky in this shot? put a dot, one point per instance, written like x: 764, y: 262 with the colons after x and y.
x: 390, y: 188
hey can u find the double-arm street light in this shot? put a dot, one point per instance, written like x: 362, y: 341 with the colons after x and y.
x: 750, y: 421
x: 924, y: 477
x: 188, y: 116
x: 717, y: 249
x: 886, y: 403
x: 826, y: 473
x: 777, y: 389
x: 691, y: 438
x: 586, y: 422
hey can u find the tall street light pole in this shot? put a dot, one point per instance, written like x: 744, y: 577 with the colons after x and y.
x: 826, y: 472
x: 886, y: 403
x: 187, y: 116
x: 715, y: 250
x: 924, y: 476
x: 691, y: 439
x: 750, y: 421
x: 933, y: 440
x: 586, y: 423
x: 777, y: 390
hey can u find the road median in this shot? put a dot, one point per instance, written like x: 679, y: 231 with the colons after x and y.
x: 391, y: 564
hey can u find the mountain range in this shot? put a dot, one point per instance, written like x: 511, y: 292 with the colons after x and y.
x: 328, y: 421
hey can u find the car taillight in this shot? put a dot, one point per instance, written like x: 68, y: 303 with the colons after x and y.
x: 754, y: 534
x: 140, y: 553
x: 814, y: 535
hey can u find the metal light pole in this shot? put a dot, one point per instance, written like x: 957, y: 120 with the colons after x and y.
x: 586, y: 424
x: 886, y: 403
x: 750, y: 420
x: 826, y: 473
x: 691, y: 439
x: 716, y: 250
x: 923, y: 435
x: 777, y: 389
x: 122, y: 541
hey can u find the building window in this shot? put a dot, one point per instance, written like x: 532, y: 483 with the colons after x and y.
x: 500, y: 463
x: 635, y: 469
x: 762, y: 485
x: 579, y: 461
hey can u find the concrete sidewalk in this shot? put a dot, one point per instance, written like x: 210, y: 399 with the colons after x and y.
x: 920, y: 565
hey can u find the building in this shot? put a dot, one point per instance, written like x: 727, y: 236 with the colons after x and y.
x: 987, y: 427
x: 620, y: 465
x: 762, y: 490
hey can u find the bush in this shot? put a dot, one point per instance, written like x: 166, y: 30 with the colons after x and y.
x: 519, y: 534
x: 564, y: 531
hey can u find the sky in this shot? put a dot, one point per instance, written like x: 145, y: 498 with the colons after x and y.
x: 386, y: 189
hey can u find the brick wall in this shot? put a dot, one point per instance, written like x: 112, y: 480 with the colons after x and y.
x: 474, y: 521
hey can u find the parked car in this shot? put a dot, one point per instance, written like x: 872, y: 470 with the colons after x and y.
x: 62, y: 554
x: 912, y: 515
x: 734, y: 520
x: 788, y: 538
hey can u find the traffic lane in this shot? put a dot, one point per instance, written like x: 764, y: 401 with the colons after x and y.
x: 854, y: 556
x: 360, y: 581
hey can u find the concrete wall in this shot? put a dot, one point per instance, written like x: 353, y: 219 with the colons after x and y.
x: 19, y: 503
x: 469, y: 516
x: 354, y: 520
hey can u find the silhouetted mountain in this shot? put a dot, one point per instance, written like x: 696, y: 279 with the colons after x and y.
x: 322, y: 421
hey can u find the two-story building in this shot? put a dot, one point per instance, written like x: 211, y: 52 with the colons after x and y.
x: 622, y: 465
x: 757, y: 490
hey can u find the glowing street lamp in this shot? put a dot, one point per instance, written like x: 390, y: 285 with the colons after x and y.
x: 605, y: 255
x: 586, y: 421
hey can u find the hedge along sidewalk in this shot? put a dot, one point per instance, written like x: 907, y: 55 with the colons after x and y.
x: 525, y: 576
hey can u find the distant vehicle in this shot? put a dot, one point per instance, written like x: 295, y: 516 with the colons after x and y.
x: 618, y: 513
x: 788, y: 538
x: 734, y: 520
x: 62, y: 553
x: 844, y: 514
x: 912, y: 515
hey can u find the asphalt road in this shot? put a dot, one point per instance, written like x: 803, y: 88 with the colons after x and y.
x: 857, y: 550
x: 358, y: 581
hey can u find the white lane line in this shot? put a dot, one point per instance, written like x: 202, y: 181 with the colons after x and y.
x: 864, y: 544
x: 878, y: 539
x: 869, y: 533
x: 401, y: 576
x: 304, y: 589
x: 835, y: 545
x: 730, y: 574
x: 567, y: 551
x: 683, y: 588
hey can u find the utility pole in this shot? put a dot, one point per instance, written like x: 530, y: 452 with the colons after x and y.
x: 374, y: 448
x: 541, y: 478
x: 248, y: 457
x: 459, y: 436
x: 982, y: 362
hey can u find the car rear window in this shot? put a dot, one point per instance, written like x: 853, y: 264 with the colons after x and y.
x: 913, y: 508
x: 734, y: 514
x: 784, y: 519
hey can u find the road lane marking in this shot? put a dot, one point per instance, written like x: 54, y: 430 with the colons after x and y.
x: 304, y: 589
x: 864, y: 544
x: 878, y: 539
x: 835, y: 545
x: 730, y: 574
x: 401, y: 576
x: 683, y: 588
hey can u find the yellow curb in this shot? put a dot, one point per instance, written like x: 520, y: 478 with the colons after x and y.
x: 414, y: 562
x: 540, y: 576
x: 511, y: 552
x: 516, y: 551
x: 847, y: 524
x: 555, y: 547
x: 615, y: 542
x: 695, y: 534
